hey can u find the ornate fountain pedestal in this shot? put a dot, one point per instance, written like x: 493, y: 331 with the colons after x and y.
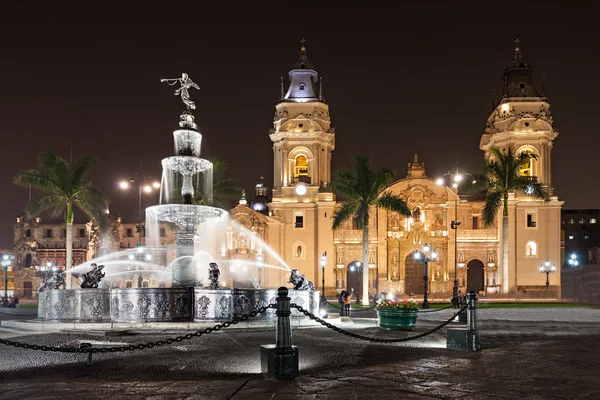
x: 151, y: 304
x: 81, y: 305
x: 224, y: 304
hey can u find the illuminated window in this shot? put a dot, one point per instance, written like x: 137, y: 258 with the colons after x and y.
x: 299, y: 220
x: 592, y: 220
x: 531, y: 220
x: 528, y: 168
x: 571, y: 238
x: 301, y: 170
x: 531, y: 248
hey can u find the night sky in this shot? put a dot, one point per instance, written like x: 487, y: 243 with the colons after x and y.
x: 412, y: 79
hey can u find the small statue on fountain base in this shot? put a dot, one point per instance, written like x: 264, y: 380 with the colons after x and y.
x: 91, y: 279
x: 300, y: 282
x: 213, y: 275
x: 55, y: 282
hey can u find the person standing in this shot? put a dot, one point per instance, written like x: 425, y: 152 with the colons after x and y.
x: 348, y: 302
x: 341, y: 303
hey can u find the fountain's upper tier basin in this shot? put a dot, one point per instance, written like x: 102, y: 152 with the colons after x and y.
x: 184, y: 214
x: 187, y: 165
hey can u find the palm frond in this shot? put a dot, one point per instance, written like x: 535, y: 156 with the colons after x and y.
x: 393, y: 202
x: 92, y: 211
x: 58, y: 168
x: 45, y: 202
x: 344, y: 183
x: 91, y: 195
x: 344, y: 213
x: 228, y: 189
x: 82, y: 167
x: 38, y: 180
x: 493, y: 202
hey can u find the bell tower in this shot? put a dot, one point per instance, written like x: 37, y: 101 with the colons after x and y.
x: 303, y: 142
x: 302, y: 135
x: 531, y: 232
x: 522, y: 120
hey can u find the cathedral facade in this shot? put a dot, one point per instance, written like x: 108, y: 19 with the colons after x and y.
x: 291, y: 227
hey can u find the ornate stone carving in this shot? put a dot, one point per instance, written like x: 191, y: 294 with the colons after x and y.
x: 143, y: 304
x: 95, y: 306
x: 224, y: 306
x: 202, y: 309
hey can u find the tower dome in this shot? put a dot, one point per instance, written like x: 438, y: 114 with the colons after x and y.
x: 518, y: 76
x: 303, y: 80
x: 261, y: 198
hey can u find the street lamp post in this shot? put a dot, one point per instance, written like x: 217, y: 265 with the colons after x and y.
x: 323, y: 299
x: 426, y: 258
x: 573, y: 262
x: 456, y: 178
x: 547, y: 268
x: 143, y: 187
x: 6, y: 259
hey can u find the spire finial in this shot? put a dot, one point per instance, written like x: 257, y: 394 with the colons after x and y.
x: 243, y: 198
x: 321, y: 98
x: 517, y: 54
x: 282, y: 91
x: 303, y: 48
x: 416, y: 159
x: 544, y: 85
x: 517, y: 41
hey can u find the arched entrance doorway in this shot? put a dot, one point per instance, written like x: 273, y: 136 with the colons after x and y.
x: 354, y: 276
x: 475, y: 276
x: 413, y: 275
x: 27, y: 289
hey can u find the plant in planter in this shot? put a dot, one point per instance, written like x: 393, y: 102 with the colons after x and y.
x: 397, y: 314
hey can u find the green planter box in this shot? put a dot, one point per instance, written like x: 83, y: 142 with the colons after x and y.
x: 397, y: 318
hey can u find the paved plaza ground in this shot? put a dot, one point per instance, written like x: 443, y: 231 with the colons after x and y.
x: 526, y: 354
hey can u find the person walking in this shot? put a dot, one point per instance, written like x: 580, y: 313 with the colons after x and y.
x: 348, y: 302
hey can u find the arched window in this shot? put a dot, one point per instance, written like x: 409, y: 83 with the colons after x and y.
x: 531, y: 248
x: 301, y: 169
x: 28, y: 261
x: 28, y: 233
x: 529, y: 168
x: 129, y: 285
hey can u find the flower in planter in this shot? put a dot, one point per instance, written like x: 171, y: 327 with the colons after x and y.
x: 410, y: 304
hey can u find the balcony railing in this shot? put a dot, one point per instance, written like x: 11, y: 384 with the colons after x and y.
x: 302, y: 179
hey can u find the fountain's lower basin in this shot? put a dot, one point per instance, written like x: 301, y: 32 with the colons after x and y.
x: 165, y: 304
x: 85, y: 305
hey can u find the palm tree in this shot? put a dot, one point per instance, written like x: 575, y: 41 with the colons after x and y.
x: 363, y: 188
x: 63, y: 186
x: 499, y: 178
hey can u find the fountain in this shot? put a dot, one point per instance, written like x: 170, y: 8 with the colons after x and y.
x: 196, y: 292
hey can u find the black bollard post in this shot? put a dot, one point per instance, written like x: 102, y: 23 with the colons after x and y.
x: 280, y: 361
x: 86, y: 346
x: 472, y: 332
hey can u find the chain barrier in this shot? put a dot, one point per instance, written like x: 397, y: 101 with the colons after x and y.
x: 141, y: 346
x: 371, y: 339
x: 370, y: 308
x: 438, y: 309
